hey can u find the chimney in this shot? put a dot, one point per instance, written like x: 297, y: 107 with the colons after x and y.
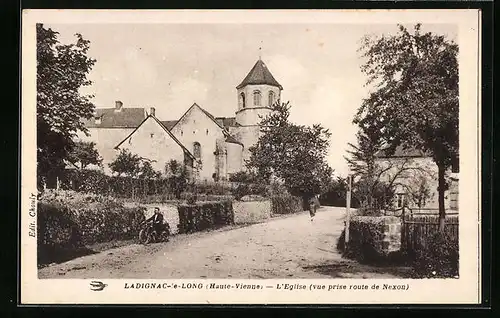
x: 118, y: 105
x: 152, y: 111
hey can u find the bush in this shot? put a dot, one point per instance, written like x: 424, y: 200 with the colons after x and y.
x: 439, y: 258
x: 68, y: 221
x: 242, y: 176
x: 286, y: 204
x: 212, y: 188
x: 190, y: 197
x: 204, y: 215
x: 365, y: 239
x: 258, y: 189
x: 206, y: 197
x: 240, y: 191
x: 111, y: 222
x: 57, y: 232
x: 282, y: 202
x: 277, y: 189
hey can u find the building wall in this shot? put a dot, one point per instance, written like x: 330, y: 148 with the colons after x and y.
x: 221, y: 160
x: 416, y: 171
x: 106, y: 139
x: 248, y: 136
x: 196, y: 126
x: 151, y: 141
x: 251, y: 116
x: 234, y: 158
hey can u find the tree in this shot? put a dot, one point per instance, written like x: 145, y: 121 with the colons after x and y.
x: 172, y: 167
x: 419, y: 191
x: 414, y: 97
x: 126, y: 163
x: 243, y: 177
x: 62, y: 71
x: 85, y: 154
x: 376, y: 181
x: 177, y: 177
x: 146, y: 171
x: 335, y: 194
x: 373, y: 196
x: 293, y: 153
x: 362, y: 163
x: 363, y: 155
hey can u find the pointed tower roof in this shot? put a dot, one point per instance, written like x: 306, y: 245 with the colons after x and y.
x: 259, y: 74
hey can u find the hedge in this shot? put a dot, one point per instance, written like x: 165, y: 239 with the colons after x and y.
x: 167, y: 188
x: 286, y: 204
x: 439, y: 258
x: 57, y: 233
x: 68, y: 222
x: 204, y: 215
x: 206, y: 197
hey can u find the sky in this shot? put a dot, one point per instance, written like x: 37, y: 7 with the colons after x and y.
x: 172, y: 66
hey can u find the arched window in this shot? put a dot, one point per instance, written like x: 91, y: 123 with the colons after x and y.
x: 271, y: 98
x: 242, y: 100
x: 257, y: 97
x: 197, y: 150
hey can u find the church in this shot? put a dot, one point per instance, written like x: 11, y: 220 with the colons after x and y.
x: 211, y: 147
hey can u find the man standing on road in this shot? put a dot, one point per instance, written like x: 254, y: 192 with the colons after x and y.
x: 312, y: 207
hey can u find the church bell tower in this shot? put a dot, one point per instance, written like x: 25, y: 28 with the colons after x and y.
x: 258, y: 91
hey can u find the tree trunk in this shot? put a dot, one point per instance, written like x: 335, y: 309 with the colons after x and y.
x: 441, y: 190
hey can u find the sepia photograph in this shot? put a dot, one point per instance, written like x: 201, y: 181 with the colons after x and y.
x: 223, y: 154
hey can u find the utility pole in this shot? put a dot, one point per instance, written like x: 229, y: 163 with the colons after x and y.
x: 348, y: 209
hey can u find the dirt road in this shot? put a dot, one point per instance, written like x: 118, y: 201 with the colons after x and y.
x: 288, y: 247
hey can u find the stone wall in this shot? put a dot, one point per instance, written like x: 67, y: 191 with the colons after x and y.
x: 251, y: 211
x: 391, y: 241
x: 169, y: 211
x: 372, y: 238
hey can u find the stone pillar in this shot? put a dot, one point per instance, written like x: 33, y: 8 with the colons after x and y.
x: 391, y: 241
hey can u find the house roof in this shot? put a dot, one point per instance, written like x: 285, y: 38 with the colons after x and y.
x: 227, y: 121
x: 259, y: 74
x: 224, y: 130
x: 222, y: 122
x: 401, y: 152
x: 169, y: 123
x: 164, y: 128
x: 110, y: 118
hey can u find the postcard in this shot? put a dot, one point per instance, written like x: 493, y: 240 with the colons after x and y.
x: 250, y: 157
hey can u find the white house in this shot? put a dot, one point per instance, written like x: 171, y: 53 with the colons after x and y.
x: 110, y: 126
x: 414, y: 175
